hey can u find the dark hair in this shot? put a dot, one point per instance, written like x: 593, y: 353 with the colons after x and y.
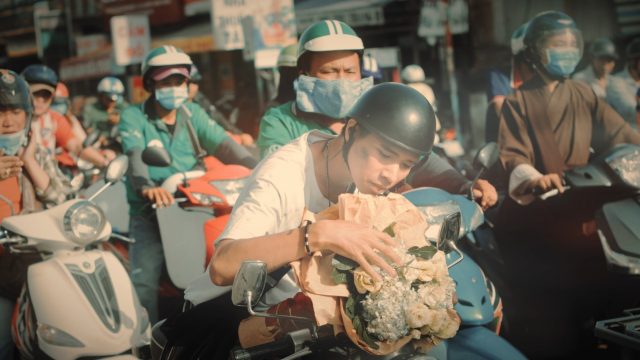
x: 286, y: 92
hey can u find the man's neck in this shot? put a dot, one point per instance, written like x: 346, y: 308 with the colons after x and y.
x: 549, y: 83
x: 167, y: 116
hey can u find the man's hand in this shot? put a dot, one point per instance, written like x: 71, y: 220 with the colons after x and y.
x: 159, y: 196
x: 357, y: 242
x: 9, y: 166
x: 485, y: 194
x: 546, y: 183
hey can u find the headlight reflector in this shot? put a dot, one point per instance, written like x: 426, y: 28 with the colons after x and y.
x: 627, y: 166
x: 84, y: 222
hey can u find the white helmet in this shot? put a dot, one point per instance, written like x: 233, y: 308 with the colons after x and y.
x: 412, y: 73
x: 111, y: 86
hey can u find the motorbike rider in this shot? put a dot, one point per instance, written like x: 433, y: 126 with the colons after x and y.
x: 542, y: 135
x: 104, y: 114
x: 62, y: 105
x: 622, y: 94
x: 329, y: 63
x: 24, y: 186
x: 51, y: 129
x: 196, y: 96
x: 287, y: 60
x: 168, y: 120
x: 598, y: 73
x: 413, y: 75
x: 547, y: 127
x: 383, y: 139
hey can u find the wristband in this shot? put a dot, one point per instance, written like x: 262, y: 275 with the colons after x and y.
x: 305, y: 237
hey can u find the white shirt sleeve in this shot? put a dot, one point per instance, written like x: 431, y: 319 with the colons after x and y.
x: 518, y: 179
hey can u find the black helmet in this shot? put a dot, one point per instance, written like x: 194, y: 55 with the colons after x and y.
x: 544, y: 25
x: 41, y: 74
x: 14, y: 92
x: 633, y: 49
x: 603, y: 48
x: 399, y: 114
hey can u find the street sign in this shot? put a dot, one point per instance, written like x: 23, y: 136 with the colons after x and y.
x: 226, y: 22
x: 131, y: 38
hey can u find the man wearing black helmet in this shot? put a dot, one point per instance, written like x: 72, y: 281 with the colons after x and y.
x: 551, y: 122
x: 24, y: 187
x: 623, y: 93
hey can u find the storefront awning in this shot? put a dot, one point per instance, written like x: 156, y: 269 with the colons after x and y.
x: 191, y: 39
x: 355, y: 13
x: 94, y: 65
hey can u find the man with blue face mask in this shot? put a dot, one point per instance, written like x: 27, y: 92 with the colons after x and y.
x: 551, y: 122
x: 329, y: 63
x: 168, y: 120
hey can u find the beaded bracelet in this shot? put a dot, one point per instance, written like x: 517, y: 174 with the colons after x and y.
x: 305, y: 232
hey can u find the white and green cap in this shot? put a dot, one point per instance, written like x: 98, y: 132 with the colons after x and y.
x: 329, y: 35
x: 165, y: 56
x: 288, y: 56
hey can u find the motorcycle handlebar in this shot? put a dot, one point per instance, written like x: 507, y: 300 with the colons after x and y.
x: 280, y: 348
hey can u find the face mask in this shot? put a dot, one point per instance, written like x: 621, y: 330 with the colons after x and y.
x: 333, y: 98
x: 562, y: 62
x: 172, y: 98
x: 11, y: 143
x: 60, y: 108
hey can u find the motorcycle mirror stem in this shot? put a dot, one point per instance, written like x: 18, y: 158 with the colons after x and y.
x: 485, y: 158
x: 115, y: 171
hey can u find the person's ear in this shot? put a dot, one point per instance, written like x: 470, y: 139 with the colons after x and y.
x: 349, y: 128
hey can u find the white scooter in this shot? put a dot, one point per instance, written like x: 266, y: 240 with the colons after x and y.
x: 79, y: 301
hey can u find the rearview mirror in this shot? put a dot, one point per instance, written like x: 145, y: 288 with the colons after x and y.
x: 249, y: 283
x: 116, y: 169
x: 156, y: 156
x: 486, y: 156
x: 449, y: 230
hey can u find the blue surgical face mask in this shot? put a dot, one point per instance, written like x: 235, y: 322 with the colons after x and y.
x: 60, y: 108
x: 172, y: 98
x: 333, y: 98
x: 562, y: 61
x: 11, y: 143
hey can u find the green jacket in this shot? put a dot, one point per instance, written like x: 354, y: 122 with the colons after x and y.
x: 279, y: 126
x: 94, y: 116
x: 139, y: 126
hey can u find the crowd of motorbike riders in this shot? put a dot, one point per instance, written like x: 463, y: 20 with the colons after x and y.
x: 333, y: 129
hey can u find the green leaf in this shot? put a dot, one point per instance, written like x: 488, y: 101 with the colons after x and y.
x: 389, y: 229
x: 369, y: 340
x: 338, y: 276
x: 425, y: 252
x: 350, y: 307
x: 343, y: 263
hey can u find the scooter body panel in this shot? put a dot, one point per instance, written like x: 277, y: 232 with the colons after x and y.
x: 49, y: 235
x: 82, y: 294
x: 478, y: 342
x: 183, y: 241
x: 474, y: 302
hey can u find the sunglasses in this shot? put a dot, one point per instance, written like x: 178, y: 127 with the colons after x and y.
x: 43, y: 94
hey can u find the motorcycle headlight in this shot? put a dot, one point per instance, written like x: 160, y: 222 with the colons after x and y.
x: 206, y: 199
x: 84, y: 222
x: 55, y: 336
x: 230, y: 188
x: 627, y: 166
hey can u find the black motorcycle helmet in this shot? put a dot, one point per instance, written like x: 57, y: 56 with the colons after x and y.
x: 15, y: 93
x: 398, y: 114
x: 633, y: 49
x: 41, y: 74
x: 603, y: 48
x: 544, y: 25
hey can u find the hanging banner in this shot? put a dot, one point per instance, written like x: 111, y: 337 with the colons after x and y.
x: 226, y: 20
x: 131, y: 38
x: 435, y: 13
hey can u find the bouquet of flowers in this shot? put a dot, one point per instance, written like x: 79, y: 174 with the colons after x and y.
x: 416, y: 305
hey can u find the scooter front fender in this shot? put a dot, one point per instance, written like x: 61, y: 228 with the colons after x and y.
x: 89, y: 296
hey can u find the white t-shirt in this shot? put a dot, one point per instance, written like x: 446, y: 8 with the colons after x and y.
x: 281, y: 187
